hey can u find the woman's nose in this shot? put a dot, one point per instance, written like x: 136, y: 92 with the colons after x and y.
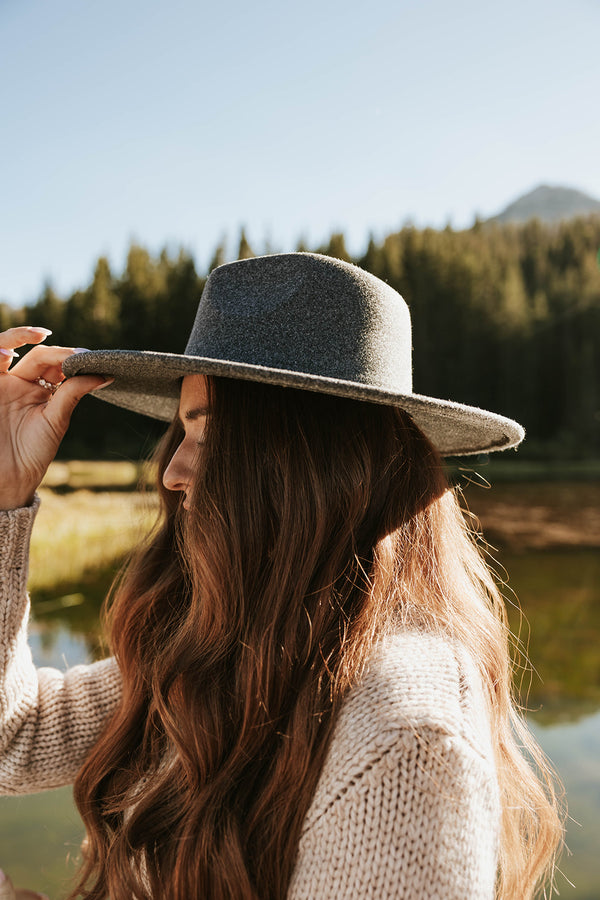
x: 178, y: 473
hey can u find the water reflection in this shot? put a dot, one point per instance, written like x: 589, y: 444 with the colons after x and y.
x: 559, y: 594
x: 72, y: 613
x: 575, y: 753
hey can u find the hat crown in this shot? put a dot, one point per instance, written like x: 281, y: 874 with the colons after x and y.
x: 302, y: 312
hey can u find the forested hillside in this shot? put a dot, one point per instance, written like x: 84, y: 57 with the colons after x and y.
x: 504, y: 317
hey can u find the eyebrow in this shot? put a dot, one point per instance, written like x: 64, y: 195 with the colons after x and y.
x: 192, y: 414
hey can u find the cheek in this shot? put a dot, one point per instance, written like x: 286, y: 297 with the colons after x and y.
x: 186, y: 460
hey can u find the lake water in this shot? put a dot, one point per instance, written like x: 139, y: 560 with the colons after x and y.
x: 559, y: 593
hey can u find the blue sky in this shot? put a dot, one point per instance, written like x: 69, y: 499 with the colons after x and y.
x: 176, y: 123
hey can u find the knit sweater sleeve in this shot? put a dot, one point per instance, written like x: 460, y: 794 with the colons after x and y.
x: 407, y: 806
x: 48, y: 719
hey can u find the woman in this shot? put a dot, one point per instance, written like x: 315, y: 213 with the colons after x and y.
x: 310, y: 690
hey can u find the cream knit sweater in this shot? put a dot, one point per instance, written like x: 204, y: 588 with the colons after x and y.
x: 407, y: 803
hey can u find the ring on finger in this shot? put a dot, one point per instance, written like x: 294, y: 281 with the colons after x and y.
x: 47, y: 385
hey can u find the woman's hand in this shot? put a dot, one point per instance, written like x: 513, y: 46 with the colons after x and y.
x: 33, y: 419
x: 8, y: 892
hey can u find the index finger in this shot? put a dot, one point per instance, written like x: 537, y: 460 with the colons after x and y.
x: 23, y: 334
x: 42, y: 361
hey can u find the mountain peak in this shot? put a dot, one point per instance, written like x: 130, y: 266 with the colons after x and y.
x: 549, y: 204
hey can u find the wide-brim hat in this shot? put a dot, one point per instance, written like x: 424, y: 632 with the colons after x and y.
x: 305, y: 321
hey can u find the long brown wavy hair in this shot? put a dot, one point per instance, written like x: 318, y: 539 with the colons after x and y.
x: 317, y: 525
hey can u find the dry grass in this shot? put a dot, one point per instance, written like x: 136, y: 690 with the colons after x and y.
x: 83, y: 531
x: 80, y: 474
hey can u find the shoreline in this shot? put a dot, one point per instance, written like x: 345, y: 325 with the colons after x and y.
x: 538, y: 517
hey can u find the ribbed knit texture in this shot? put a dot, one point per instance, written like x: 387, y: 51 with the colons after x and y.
x: 48, y: 720
x: 407, y: 803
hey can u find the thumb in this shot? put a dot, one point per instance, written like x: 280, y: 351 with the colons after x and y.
x: 61, y: 407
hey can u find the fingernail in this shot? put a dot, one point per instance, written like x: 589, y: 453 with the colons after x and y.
x: 81, y: 350
x: 104, y: 384
x: 45, y: 331
x: 10, y: 353
x: 2, y: 877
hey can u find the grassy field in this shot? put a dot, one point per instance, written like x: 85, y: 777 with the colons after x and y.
x: 100, y: 475
x: 83, y: 531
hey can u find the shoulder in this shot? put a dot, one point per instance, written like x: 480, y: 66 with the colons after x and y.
x: 417, y: 681
x: 407, y: 803
x: 421, y: 701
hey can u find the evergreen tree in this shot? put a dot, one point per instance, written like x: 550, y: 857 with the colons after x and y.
x: 141, y: 289
x: 7, y: 317
x: 48, y: 311
x: 177, y: 309
x: 245, y: 251
x: 373, y: 259
x: 219, y: 256
x: 337, y: 247
x: 102, y: 306
x: 513, y: 314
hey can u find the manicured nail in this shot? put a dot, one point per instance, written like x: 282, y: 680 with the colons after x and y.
x: 45, y: 331
x: 11, y: 353
x: 81, y: 350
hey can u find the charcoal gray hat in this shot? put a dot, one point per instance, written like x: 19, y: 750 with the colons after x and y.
x: 299, y: 320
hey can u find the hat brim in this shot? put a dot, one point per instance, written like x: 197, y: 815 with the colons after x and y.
x: 148, y: 382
